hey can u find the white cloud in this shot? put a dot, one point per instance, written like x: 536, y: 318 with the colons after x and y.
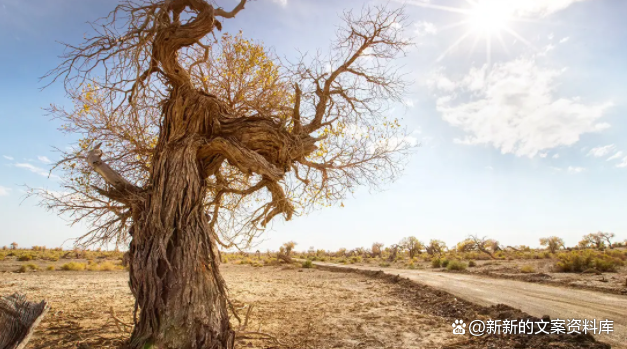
x: 38, y: 170
x: 44, y: 159
x: 439, y: 81
x: 4, y: 191
x: 556, y: 156
x: 615, y: 156
x: 513, y: 107
x: 8, y: 157
x: 572, y: 169
x: 543, y: 155
x: 409, y: 103
x: 600, y: 152
x: 564, y: 40
x: 424, y: 28
x: 623, y: 163
x: 280, y: 2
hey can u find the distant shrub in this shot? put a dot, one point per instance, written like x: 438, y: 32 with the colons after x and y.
x: 25, y: 257
x: 472, y: 263
x: 307, y: 264
x: 436, y: 263
x: 108, y: 266
x: 444, y: 263
x: 580, y: 261
x: 50, y: 267
x: 384, y: 264
x: 355, y: 259
x: 27, y: 267
x: 271, y: 261
x: 456, y: 265
x: 73, y: 266
x: 527, y: 269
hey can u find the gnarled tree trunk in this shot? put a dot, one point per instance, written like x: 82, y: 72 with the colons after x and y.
x: 174, y: 270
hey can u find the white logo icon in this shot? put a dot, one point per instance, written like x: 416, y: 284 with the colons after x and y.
x: 458, y: 327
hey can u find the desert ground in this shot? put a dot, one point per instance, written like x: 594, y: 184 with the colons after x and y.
x: 284, y: 306
x: 534, y: 267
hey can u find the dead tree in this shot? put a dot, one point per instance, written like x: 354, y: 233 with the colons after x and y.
x: 18, y: 319
x: 177, y: 126
x: 483, y: 244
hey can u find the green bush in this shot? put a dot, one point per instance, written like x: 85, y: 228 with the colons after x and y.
x: 307, y: 264
x: 25, y: 257
x: 27, y: 267
x: 445, y: 263
x: 355, y: 259
x: 271, y: 261
x: 456, y: 265
x: 73, y: 266
x: 436, y: 263
x: 472, y: 263
x: 580, y: 261
x: 527, y: 269
x: 384, y: 264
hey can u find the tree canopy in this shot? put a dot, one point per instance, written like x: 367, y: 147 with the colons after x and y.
x: 316, y: 128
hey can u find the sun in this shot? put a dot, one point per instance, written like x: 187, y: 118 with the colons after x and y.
x: 483, y: 19
x: 488, y: 17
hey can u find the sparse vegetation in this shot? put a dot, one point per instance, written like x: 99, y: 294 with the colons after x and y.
x: 581, y: 261
x: 436, y: 263
x: 73, y: 266
x: 456, y: 265
x: 527, y: 269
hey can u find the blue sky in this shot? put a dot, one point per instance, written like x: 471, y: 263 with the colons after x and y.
x: 524, y: 142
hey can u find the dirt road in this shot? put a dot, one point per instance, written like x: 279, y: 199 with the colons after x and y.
x: 534, y: 299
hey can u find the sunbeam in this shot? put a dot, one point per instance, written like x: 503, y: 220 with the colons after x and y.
x: 486, y: 19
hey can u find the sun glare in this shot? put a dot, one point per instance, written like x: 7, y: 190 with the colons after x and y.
x: 488, y: 18
x: 483, y: 19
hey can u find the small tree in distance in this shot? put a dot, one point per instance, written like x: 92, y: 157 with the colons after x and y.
x: 435, y: 247
x: 377, y: 249
x: 597, y: 240
x: 552, y: 243
x: 412, y: 245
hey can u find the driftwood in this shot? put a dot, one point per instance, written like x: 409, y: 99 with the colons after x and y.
x: 18, y: 320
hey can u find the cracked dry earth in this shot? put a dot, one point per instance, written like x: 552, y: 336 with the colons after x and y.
x: 302, y: 308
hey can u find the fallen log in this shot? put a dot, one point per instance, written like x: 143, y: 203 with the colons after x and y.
x: 18, y: 320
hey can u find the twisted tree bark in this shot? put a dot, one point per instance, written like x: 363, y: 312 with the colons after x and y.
x: 18, y: 319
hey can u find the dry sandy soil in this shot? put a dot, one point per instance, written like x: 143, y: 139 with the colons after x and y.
x: 302, y: 308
